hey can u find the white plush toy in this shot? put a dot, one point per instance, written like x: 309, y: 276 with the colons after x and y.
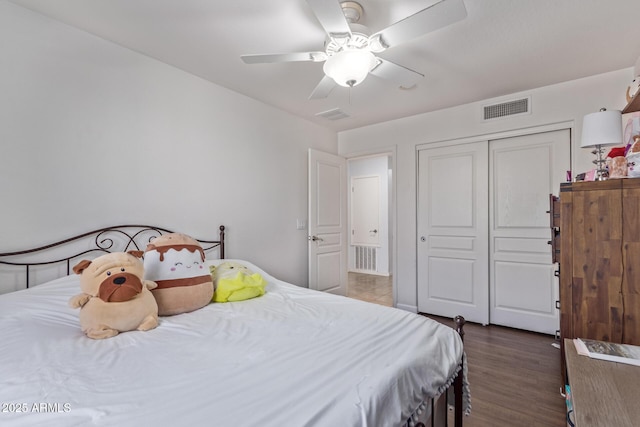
x: 176, y: 263
x: 633, y: 159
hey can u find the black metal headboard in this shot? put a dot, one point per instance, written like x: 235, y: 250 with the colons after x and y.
x: 120, y: 238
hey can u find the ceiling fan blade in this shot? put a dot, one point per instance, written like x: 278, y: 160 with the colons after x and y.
x: 323, y: 89
x: 331, y: 17
x: 434, y: 17
x: 284, y: 57
x: 398, y: 74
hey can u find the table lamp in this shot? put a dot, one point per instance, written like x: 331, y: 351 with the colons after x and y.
x: 598, y: 130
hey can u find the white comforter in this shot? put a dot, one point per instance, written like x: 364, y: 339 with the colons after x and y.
x: 292, y: 357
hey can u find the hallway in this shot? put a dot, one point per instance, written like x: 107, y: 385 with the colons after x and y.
x: 371, y: 288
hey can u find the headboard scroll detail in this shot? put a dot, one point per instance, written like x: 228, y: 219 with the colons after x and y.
x: 119, y: 238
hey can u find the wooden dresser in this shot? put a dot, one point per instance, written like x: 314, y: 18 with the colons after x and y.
x: 596, y: 241
x: 602, y: 393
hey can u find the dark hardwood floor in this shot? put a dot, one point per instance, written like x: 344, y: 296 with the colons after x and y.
x: 514, y: 375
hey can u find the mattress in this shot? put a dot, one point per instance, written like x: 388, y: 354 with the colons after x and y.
x: 292, y: 357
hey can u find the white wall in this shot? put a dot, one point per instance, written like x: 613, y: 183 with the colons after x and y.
x: 374, y: 166
x: 562, y: 103
x: 93, y: 134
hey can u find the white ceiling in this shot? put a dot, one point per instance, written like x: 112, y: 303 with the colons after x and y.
x: 503, y: 46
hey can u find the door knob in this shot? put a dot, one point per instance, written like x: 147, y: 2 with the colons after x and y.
x: 423, y: 239
x: 373, y: 231
x: 316, y: 238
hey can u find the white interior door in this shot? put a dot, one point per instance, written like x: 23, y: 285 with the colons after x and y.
x: 327, y: 222
x: 523, y: 172
x: 452, y: 231
x: 365, y: 210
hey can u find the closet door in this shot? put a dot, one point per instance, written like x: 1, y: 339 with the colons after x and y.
x: 523, y: 172
x: 452, y: 231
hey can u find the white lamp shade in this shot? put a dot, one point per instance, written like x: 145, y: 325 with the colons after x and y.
x: 602, y: 128
x: 349, y: 67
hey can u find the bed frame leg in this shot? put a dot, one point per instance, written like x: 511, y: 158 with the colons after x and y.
x: 457, y: 384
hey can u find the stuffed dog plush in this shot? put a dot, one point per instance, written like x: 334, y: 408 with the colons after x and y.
x: 114, y: 297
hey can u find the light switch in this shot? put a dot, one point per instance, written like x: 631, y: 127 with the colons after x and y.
x: 301, y: 224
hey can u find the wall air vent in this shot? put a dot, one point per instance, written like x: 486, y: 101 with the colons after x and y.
x: 366, y: 258
x: 507, y: 109
x: 334, y: 114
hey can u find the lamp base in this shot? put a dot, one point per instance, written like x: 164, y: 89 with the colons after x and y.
x: 602, y: 173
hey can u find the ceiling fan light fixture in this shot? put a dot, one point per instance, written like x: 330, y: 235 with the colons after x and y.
x: 350, y: 67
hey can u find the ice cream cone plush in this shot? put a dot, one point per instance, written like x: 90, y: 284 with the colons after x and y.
x: 176, y: 263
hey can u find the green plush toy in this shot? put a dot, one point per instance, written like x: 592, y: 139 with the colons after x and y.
x: 235, y: 282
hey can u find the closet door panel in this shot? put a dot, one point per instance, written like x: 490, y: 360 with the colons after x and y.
x: 452, y: 231
x: 524, y: 170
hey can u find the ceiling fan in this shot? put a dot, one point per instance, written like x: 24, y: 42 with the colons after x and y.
x: 350, y: 47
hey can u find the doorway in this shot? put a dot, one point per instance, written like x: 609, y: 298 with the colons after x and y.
x: 370, y: 237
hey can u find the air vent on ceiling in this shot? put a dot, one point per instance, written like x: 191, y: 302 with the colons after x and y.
x: 334, y: 114
x: 507, y: 109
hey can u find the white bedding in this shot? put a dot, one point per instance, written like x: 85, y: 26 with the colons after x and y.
x: 292, y: 357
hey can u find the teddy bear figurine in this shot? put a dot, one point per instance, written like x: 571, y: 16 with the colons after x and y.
x: 633, y: 88
x: 114, y: 297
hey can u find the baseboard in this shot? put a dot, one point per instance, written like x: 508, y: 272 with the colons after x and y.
x: 405, y: 307
x: 375, y: 273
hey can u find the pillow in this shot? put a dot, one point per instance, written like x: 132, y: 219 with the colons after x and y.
x: 236, y: 282
x: 175, y: 262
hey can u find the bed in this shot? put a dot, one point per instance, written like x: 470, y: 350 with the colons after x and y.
x: 292, y: 357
